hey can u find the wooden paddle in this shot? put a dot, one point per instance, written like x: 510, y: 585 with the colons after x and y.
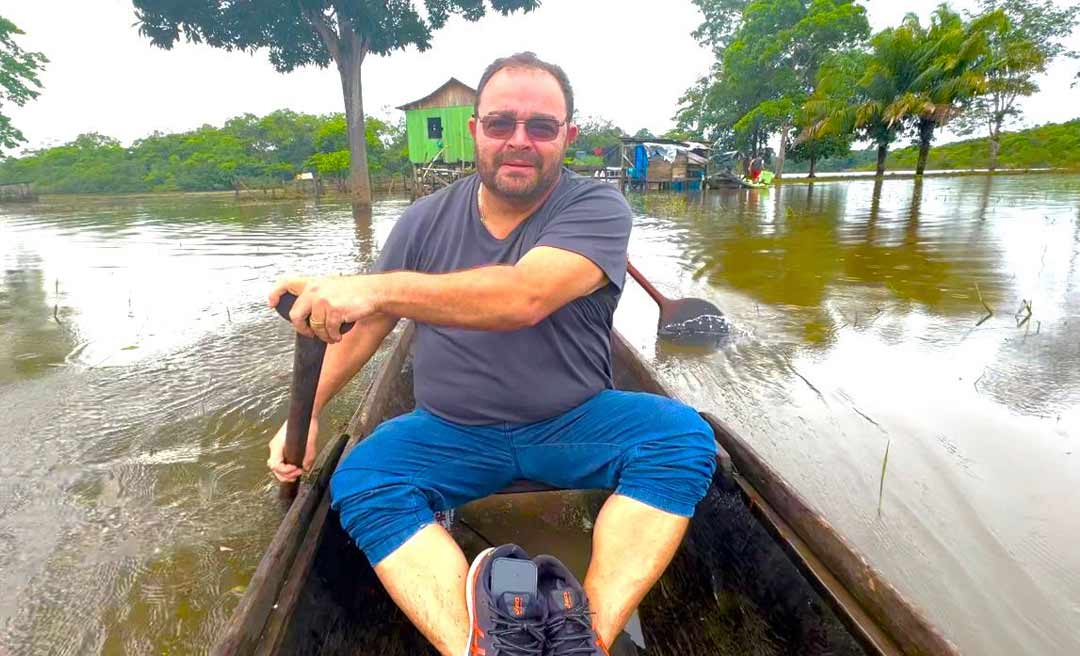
x: 691, y: 321
x: 307, y: 365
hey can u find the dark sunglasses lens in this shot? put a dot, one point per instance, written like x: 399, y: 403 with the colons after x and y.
x: 499, y: 127
x: 542, y: 129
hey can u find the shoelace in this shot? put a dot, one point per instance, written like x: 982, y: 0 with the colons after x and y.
x: 527, y: 635
x: 575, y: 628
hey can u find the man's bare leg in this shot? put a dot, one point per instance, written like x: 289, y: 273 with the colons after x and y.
x: 426, y: 579
x: 633, y: 544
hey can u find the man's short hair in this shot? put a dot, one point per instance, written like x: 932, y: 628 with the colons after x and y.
x: 527, y: 60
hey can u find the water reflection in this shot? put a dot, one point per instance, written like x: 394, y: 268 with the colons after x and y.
x: 858, y: 310
x: 36, y: 334
x: 132, y: 490
x: 133, y: 503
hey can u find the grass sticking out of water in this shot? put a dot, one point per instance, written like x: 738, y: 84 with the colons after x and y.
x: 881, y: 482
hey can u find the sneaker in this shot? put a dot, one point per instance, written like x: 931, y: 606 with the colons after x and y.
x: 506, y: 614
x: 569, y: 628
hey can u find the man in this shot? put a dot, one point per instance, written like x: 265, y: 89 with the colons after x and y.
x: 757, y: 165
x: 512, y: 276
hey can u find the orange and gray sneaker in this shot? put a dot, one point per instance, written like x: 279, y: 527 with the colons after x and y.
x: 569, y: 629
x: 506, y: 614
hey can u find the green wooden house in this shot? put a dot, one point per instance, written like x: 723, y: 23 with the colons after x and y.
x: 437, y: 125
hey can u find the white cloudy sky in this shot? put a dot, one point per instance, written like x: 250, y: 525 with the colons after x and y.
x: 629, y: 60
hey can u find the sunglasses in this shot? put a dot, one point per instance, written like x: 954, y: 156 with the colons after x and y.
x: 498, y: 126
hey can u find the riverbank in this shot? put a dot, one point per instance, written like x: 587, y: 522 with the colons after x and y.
x: 840, y: 176
x: 335, y: 196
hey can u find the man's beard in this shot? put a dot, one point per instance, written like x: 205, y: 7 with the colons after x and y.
x: 518, y: 191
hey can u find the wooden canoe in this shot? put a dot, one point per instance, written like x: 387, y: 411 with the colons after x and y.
x: 760, y: 572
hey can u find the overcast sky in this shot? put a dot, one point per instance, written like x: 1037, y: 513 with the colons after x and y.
x: 628, y: 60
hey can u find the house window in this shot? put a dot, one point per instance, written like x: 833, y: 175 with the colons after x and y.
x: 434, y: 128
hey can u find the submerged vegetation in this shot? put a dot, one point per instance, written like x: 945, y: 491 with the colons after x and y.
x: 248, y: 151
x: 1055, y: 145
x: 810, y: 69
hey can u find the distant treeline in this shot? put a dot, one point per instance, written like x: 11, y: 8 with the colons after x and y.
x: 1055, y: 145
x: 247, y: 152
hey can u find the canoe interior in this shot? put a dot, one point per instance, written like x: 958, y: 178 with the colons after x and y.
x: 730, y: 590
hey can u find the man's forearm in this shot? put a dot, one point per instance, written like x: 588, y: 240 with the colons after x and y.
x: 486, y: 298
x: 346, y: 358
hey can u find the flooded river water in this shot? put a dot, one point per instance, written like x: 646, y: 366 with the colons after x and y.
x: 903, y: 356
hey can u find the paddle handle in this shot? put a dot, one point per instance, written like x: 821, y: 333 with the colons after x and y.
x: 307, y: 366
x: 660, y: 299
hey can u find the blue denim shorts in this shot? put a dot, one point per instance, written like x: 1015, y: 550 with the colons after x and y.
x: 646, y: 447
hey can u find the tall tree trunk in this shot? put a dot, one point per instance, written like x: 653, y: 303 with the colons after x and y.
x: 349, y: 65
x: 926, y: 135
x: 813, y: 167
x: 882, y: 151
x: 347, y: 48
x: 783, y: 151
x: 995, y: 144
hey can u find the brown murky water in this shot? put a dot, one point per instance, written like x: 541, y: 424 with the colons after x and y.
x: 140, y: 376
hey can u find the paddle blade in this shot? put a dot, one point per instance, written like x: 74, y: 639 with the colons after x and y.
x: 693, y: 321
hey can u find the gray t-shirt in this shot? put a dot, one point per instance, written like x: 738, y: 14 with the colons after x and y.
x: 486, y: 377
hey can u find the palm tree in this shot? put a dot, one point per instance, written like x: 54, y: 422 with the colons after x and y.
x: 944, y: 72
x: 850, y: 99
x: 912, y: 78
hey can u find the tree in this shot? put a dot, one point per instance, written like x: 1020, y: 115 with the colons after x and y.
x: 1021, y: 46
x: 913, y: 77
x: 315, y: 32
x: 722, y: 19
x: 808, y: 148
x: 597, y: 132
x: 767, y: 65
x: 251, y: 151
x: 950, y: 59
x: 855, y: 89
x: 19, y: 82
x: 707, y: 111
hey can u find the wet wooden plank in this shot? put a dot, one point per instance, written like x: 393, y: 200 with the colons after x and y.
x: 852, y: 575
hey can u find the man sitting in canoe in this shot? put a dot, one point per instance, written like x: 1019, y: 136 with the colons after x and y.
x: 512, y: 276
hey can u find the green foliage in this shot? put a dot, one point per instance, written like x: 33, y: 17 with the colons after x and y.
x: 814, y: 150
x: 1054, y: 145
x: 722, y: 19
x: 331, y: 165
x: 597, y: 132
x: 912, y: 78
x: 766, y: 66
x: 247, y: 151
x: 290, y: 30
x: 386, y: 147
x: 19, y: 82
x: 300, y: 33
x: 1021, y: 43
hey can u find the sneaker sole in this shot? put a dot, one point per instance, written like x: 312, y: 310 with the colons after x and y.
x: 470, y: 594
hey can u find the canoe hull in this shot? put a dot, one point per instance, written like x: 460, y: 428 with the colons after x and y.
x: 743, y: 581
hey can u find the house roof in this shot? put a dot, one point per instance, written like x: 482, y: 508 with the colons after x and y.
x: 692, y: 145
x: 420, y: 101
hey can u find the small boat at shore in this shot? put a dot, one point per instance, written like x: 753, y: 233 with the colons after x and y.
x: 728, y: 180
x: 759, y: 572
